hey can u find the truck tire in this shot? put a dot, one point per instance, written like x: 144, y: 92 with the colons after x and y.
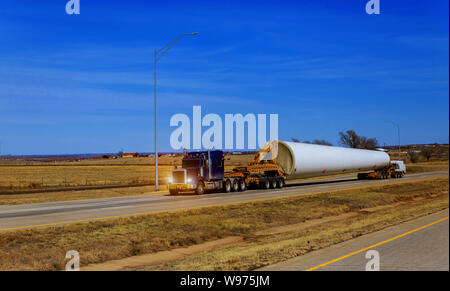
x: 173, y: 192
x: 235, y: 186
x: 242, y: 185
x: 266, y: 184
x: 227, y: 186
x: 200, y: 188
x: 273, y: 184
x: 279, y: 183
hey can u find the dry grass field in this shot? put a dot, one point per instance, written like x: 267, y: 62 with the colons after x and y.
x: 100, y: 241
x: 427, y: 167
x: 22, y: 177
x: 93, y: 172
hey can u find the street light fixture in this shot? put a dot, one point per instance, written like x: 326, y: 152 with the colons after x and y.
x: 158, y: 55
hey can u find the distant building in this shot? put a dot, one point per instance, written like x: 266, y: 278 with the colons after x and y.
x: 131, y: 155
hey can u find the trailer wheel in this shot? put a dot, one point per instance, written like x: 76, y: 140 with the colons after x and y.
x: 279, y: 183
x: 200, y: 188
x: 266, y: 184
x: 273, y: 184
x: 227, y: 186
x: 235, y: 186
x: 242, y: 185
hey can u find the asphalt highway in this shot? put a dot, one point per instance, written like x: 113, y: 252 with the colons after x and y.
x: 57, y: 213
x: 418, y: 245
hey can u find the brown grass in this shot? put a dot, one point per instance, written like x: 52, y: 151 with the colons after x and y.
x: 15, y: 199
x: 427, y: 167
x: 44, y: 249
x: 266, y: 250
x: 26, y: 177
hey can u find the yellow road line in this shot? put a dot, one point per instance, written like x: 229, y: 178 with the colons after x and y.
x: 198, y: 207
x: 378, y: 244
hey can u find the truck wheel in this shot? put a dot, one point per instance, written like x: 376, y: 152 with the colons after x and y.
x: 242, y: 185
x: 200, y: 189
x: 279, y: 184
x: 235, y: 186
x: 273, y: 184
x: 266, y: 184
x: 173, y: 192
x: 227, y: 186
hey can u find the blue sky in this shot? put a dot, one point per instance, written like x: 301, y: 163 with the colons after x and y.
x: 84, y: 83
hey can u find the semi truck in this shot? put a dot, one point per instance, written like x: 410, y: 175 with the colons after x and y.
x: 395, y: 169
x: 277, y: 161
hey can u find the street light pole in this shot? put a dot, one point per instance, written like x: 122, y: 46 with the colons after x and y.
x: 156, y: 134
x: 158, y: 55
x: 398, y: 131
x: 399, y: 150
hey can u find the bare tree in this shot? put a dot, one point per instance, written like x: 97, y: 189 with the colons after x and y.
x: 351, y: 139
x: 120, y: 154
x: 368, y: 143
x: 413, y: 156
x: 427, y: 152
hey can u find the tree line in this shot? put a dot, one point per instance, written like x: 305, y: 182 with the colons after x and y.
x: 348, y: 139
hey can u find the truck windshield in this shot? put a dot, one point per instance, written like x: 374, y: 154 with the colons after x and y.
x: 191, y: 163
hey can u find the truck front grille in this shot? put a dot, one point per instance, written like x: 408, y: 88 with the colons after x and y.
x: 178, y: 177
